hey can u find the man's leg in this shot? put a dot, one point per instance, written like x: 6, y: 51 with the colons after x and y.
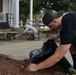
x: 73, y: 54
x: 66, y: 65
x: 32, y: 36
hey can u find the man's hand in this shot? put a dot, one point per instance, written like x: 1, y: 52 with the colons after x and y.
x: 32, y: 68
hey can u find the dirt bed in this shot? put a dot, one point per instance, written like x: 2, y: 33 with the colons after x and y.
x: 10, y: 66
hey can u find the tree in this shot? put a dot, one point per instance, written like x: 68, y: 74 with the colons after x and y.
x: 58, y: 5
x: 66, y: 5
x: 24, y: 7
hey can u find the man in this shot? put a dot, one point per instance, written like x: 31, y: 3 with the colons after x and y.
x: 31, y: 31
x: 67, y: 40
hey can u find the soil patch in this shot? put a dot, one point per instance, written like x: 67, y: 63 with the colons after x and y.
x: 10, y: 66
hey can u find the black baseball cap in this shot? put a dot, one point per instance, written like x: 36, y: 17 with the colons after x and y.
x: 49, y: 16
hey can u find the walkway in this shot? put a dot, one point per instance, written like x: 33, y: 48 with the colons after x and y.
x: 19, y: 50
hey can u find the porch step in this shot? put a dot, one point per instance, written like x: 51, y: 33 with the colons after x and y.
x: 7, y: 34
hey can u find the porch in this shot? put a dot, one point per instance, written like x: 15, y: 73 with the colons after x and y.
x: 9, y: 18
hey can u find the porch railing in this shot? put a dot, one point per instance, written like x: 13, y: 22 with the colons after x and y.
x: 11, y: 19
x: 7, y: 20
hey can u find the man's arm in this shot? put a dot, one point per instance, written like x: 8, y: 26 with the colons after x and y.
x: 26, y: 29
x: 52, y: 60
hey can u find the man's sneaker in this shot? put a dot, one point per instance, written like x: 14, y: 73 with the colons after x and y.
x: 71, y: 71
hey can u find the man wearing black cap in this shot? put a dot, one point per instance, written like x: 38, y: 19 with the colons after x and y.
x: 67, y: 39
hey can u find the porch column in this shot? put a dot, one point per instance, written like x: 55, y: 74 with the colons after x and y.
x: 31, y: 12
x: 17, y: 13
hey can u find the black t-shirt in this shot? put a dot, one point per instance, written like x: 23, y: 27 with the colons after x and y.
x: 68, y: 29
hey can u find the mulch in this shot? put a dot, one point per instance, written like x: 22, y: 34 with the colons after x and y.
x: 9, y: 66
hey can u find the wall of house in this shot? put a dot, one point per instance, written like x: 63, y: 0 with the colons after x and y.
x: 5, y: 6
x: 11, y: 6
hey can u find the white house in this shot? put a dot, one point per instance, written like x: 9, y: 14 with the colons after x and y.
x: 12, y: 8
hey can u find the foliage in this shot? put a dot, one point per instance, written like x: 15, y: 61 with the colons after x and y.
x: 66, y: 5
x: 24, y: 7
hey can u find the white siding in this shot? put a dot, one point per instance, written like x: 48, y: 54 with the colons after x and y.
x: 5, y: 6
x: 12, y: 6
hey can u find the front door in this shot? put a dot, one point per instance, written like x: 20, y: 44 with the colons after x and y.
x: 1, y: 5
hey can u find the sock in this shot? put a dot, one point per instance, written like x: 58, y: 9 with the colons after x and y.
x: 74, y: 60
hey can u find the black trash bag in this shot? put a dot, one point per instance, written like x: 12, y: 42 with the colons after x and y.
x: 39, y: 55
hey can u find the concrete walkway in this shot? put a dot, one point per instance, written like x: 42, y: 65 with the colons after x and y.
x: 19, y: 50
